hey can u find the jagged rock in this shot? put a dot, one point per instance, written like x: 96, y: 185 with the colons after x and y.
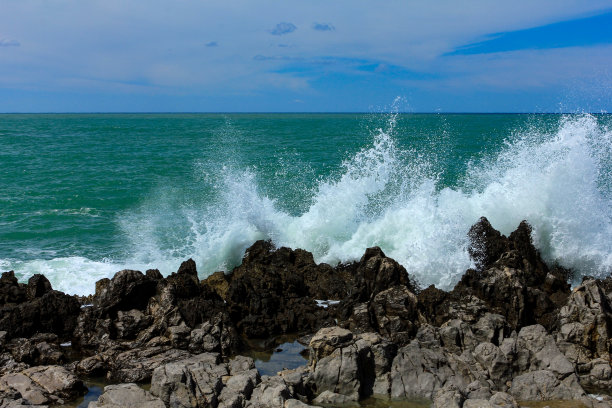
x: 196, y: 381
x: 376, y: 272
x: 204, y: 380
x: 134, y: 365
x: 339, y: 372
x: 43, y: 385
x: 537, y: 350
x: 585, y: 334
x: 272, y: 392
x: 126, y: 396
x: 545, y: 385
x: 512, y: 278
x: 586, y: 323
x: 10, y: 289
x: 176, y: 312
x: 268, y: 293
x: 395, y: 313
x: 326, y: 340
x: 53, y: 312
x: 492, y: 359
x: 37, y: 286
x: 418, y: 372
x: 127, y: 290
x: 448, y: 397
x: 130, y: 323
x: 218, y: 283
x: 40, y: 349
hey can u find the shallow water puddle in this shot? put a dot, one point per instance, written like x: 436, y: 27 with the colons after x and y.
x: 285, y: 356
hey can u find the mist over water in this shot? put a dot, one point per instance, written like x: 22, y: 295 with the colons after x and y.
x: 385, y: 193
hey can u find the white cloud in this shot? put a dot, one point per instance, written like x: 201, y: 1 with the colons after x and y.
x: 161, y: 44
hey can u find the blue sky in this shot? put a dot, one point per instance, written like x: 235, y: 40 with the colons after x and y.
x: 344, y: 55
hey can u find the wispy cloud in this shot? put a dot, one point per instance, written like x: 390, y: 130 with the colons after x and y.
x: 323, y: 27
x: 283, y: 28
x: 9, y: 43
x: 260, y: 57
x: 212, y: 44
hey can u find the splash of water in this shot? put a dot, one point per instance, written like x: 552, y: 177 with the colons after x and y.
x: 559, y: 181
x: 387, y: 197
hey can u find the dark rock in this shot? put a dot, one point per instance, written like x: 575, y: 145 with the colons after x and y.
x: 127, y: 290
x: 37, y: 286
x: 512, y: 278
x: 396, y: 314
x: 188, y: 267
x: 40, y: 349
x: 268, y: 294
x: 53, y: 312
x: 218, y: 283
x: 10, y: 290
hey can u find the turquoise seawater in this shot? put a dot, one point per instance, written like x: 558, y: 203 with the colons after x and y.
x: 83, y: 196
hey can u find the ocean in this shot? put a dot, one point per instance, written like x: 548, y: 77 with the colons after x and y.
x: 83, y: 196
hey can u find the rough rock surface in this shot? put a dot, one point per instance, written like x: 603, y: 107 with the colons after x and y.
x: 510, y: 330
x: 127, y: 395
x: 42, y: 385
x: 35, y: 308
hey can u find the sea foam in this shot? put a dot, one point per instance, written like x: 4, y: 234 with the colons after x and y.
x: 560, y: 181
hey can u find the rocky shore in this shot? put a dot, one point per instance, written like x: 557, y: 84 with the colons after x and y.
x: 511, y: 331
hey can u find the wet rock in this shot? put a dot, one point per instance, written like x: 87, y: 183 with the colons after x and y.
x: 376, y: 272
x: 37, y: 286
x: 218, y: 283
x: 174, y: 312
x: 53, y: 312
x: 395, y: 313
x: 127, y: 290
x: 269, y: 293
x: 126, y: 396
x: 512, y: 278
x: 10, y: 289
x: 130, y: 323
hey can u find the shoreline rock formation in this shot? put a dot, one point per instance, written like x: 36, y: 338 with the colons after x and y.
x: 511, y: 330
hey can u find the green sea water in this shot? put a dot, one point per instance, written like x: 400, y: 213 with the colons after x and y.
x: 83, y: 196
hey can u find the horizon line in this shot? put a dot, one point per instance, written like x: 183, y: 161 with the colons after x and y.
x: 299, y: 113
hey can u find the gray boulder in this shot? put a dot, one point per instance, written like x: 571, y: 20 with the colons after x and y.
x: 126, y: 396
x: 196, y: 381
x: 43, y: 385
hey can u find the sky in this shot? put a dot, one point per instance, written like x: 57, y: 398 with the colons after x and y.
x: 305, y: 56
